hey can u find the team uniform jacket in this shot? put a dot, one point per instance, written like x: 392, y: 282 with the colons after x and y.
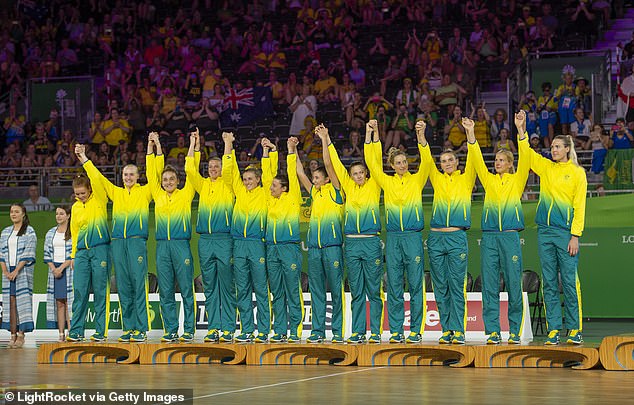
x: 403, y: 195
x: 502, y: 209
x: 173, y: 213
x: 215, y: 207
x: 130, y: 209
x: 361, y: 215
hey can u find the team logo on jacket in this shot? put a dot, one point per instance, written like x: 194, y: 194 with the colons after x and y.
x: 104, y: 264
x: 336, y: 264
x: 417, y: 259
x: 293, y: 266
x: 187, y: 261
x: 262, y: 260
x: 139, y: 259
x: 463, y: 256
x: 377, y: 261
x: 515, y: 258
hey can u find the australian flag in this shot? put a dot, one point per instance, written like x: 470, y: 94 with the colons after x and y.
x: 245, y: 106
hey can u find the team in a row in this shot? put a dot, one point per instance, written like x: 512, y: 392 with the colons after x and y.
x: 249, y: 241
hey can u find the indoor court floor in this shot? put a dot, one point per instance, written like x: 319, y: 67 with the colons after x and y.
x: 340, y: 385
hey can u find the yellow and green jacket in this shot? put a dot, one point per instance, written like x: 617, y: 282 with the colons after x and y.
x: 326, y: 217
x: 130, y: 208
x: 452, y: 193
x: 249, y: 212
x: 173, y: 213
x: 562, y: 194
x: 361, y: 215
x: 215, y: 206
x: 502, y: 209
x: 403, y: 195
x: 282, y: 220
x: 89, y: 222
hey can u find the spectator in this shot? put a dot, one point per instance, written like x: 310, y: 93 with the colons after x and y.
x: 116, y: 128
x: 504, y: 142
x: 178, y: 119
x: 36, y: 202
x: 180, y: 148
x: 548, y: 19
x: 448, y: 95
x: 355, y: 112
x: 407, y: 96
x: 580, y: 128
x: 394, y: 72
x: 303, y: 106
x: 378, y: 52
x: 14, y: 126
x: 584, y: 95
x: 455, y: 134
x: 357, y: 75
x: 621, y: 136
x: 402, y: 127
x: 372, y: 105
x: 325, y: 87
x: 457, y: 45
x: 599, y: 144
x: 206, y: 117
x: 498, y: 123
x: 582, y: 20
x: 482, y: 126
x: 292, y: 88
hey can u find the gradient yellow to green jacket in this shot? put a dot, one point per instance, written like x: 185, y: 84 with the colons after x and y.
x: 562, y: 194
x: 282, y: 220
x: 361, y: 212
x: 215, y: 204
x: 326, y: 216
x: 89, y: 222
x: 172, y: 213
x: 452, y: 193
x: 502, y: 209
x: 403, y: 195
x: 249, y: 211
x: 130, y: 208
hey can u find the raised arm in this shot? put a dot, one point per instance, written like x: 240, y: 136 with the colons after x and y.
x: 95, y: 176
x: 151, y: 169
x: 470, y: 170
x: 537, y: 162
x: 322, y: 133
x: 192, y: 162
x: 291, y: 168
x: 303, y: 179
x: 475, y: 154
x: 372, y: 153
x: 230, y: 170
x: 269, y: 162
x: 427, y: 165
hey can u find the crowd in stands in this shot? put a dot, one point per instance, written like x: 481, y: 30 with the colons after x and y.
x: 167, y: 67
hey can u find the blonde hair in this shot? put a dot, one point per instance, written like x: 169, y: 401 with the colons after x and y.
x: 509, y: 156
x: 569, y: 143
x: 392, y: 153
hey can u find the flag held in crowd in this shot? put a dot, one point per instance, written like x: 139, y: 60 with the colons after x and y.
x: 243, y: 107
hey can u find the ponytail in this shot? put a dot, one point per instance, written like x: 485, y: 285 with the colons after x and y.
x: 569, y: 142
x: 509, y: 156
x: 392, y: 153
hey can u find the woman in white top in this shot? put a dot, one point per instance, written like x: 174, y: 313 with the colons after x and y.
x: 17, y: 259
x: 59, y: 290
x: 303, y: 105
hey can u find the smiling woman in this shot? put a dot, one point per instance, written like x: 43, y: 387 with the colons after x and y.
x: 248, y: 231
x: 130, y: 212
x: 447, y: 242
x: 172, y: 209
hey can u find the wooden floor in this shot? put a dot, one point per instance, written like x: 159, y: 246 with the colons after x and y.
x: 345, y: 385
